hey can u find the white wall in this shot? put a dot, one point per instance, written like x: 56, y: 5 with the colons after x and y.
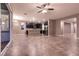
x: 59, y: 27
x: 78, y: 26
x: 17, y: 28
x: 52, y: 27
x: 55, y: 27
x: 70, y: 26
x: 73, y: 27
x: 67, y: 28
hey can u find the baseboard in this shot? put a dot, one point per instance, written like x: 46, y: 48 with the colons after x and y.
x: 6, y: 48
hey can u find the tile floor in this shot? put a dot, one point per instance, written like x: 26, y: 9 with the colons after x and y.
x: 43, y: 46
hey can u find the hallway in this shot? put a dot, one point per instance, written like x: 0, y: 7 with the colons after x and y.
x: 42, y: 46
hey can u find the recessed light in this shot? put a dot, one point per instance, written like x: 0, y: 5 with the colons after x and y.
x: 3, y: 23
x: 17, y: 17
x: 25, y: 13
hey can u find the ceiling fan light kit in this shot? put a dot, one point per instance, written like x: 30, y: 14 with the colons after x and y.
x: 44, y: 11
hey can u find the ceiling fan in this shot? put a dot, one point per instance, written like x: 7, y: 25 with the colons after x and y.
x: 43, y: 8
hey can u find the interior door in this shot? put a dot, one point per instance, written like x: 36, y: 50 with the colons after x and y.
x: 67, y: 28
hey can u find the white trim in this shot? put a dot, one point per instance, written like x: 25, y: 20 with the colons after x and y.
x: 6, y: 48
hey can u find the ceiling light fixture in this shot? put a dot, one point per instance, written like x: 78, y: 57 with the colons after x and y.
x: 22, y: 23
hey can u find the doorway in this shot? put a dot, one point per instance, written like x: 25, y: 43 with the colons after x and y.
x: 70, y: 26
x: 31, y: 28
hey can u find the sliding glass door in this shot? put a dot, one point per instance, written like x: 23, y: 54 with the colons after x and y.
x: 5, y: 26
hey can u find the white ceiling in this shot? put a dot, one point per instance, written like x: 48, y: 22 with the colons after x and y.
x: 60, y: 10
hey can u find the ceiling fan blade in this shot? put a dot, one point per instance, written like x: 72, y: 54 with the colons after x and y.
x: 43, y: 5
x: 50, y: 8
x: 38, y: 7
x: 40, y: 11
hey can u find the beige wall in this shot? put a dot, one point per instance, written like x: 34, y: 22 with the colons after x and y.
x: 59, y: 27
x: 78, y: 26
x: 52, y: 27
x: 55, y: 27
x: 67, y: 28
